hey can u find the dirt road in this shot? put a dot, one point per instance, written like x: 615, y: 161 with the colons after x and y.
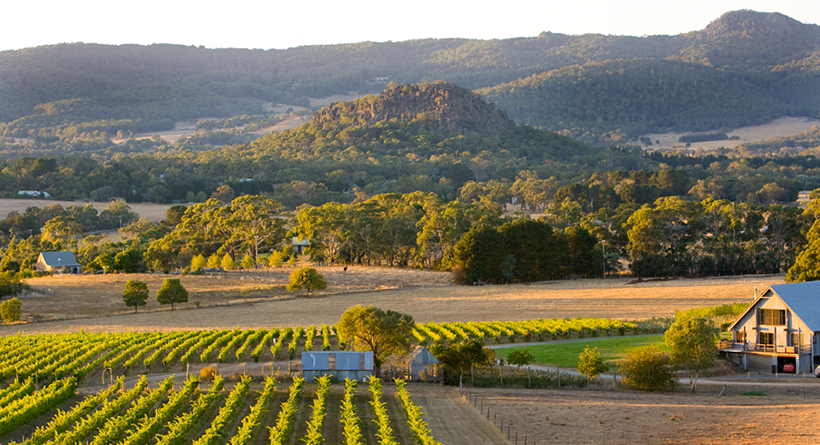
x: 451, y: 420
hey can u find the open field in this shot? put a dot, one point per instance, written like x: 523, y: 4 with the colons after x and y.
x: 95, y: 295
x: 784, y: 126
x: 630, y: 417
x: 434, y: 301
x: 566, y: 354
x: 152, y: 212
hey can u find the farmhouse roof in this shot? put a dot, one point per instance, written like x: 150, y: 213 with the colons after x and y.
x: 300, y: 242
x: 803, y: 299
x: 60, y: 259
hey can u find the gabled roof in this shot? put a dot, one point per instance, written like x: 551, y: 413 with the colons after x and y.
x: 802, y: 298
x: 60, y: 259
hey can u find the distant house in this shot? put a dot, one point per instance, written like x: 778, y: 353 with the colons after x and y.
x: 32, y: 194
x: 58, y: 262
x: 779, y: 331
x: 299, y: 245
x: 354, y: 365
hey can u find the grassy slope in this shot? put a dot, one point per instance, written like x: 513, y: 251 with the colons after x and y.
x: 566, y: 354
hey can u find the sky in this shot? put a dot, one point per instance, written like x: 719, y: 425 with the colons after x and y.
x: 284, y: 24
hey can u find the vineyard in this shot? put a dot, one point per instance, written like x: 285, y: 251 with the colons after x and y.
x: 38, y: 359
x: 40, y: 374
x: 248, y: 413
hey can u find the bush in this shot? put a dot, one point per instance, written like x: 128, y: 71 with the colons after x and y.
x: 207, y: 374
x: 647, y: 368
x: 11, y: 310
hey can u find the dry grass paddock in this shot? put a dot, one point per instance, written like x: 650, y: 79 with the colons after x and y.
x: 259, y: 301
x: 782, y: 416
x: 152, y: 212
x: 784, y: 126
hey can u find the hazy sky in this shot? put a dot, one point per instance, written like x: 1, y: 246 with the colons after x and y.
x: 284, y: 24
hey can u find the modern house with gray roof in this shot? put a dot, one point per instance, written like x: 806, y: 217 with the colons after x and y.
x: 778, y: 331
x: 58, y: 262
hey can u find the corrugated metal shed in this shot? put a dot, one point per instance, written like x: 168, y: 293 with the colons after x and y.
x: 356, y: 365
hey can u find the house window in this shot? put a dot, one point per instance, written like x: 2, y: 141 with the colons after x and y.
x: 767, y: 338
x: 797, y: 339
x: 741, y: 336
x: 773, y: 317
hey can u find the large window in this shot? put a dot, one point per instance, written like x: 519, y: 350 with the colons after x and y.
x: 767, y: 338
x: 773, y: 317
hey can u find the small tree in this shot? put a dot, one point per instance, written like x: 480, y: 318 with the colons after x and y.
x: 647, y: 368
x: 692, y: 345
x: 136, y: 294
x: 307, y: 278
x: 172, y: 292
x: 520, y: 357
x: 228, y: 262
x: 213, y: 261
x: 590, y: 363
x: 198, y: 262
x: 248, y: 262
x: 11, y: 310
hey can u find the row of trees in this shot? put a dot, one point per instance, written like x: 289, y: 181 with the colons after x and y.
x: 672, y: 236
x: 525, y: 250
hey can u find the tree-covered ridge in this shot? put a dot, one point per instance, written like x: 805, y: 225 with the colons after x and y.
x: 752, y: 40
x: 146, y: 88
x: 436, y: 106
x: 617, y: 100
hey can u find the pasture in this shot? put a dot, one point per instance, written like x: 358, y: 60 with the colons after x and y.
x: 565, y: 355
x: 254, y: 301
x: 784, y: 126
x: 630, y: 417
x: 151, y: 212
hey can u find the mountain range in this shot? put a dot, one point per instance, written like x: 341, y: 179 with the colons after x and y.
x: 744, y: 68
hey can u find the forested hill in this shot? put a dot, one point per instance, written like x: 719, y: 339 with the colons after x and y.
x: 744, y: 67
x: 437, y: 106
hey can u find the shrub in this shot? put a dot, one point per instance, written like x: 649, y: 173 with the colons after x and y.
x: 207, y: 374
x: 647, y: 368
x: 11, y: 310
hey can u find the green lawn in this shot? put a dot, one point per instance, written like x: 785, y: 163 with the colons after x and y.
x: 566, y: 354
